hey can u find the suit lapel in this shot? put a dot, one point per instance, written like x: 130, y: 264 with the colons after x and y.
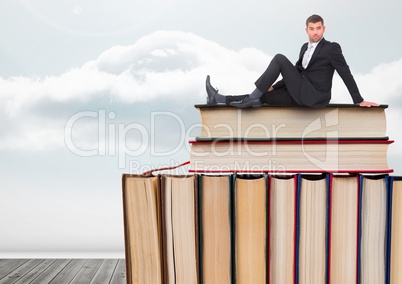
x: 302, y: 51
x: 317, y: 50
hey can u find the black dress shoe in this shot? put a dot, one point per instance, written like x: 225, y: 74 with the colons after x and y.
x: 211, y: 92
x: 246, y: 102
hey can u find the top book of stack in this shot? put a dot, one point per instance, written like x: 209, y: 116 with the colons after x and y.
x: 333, y: 122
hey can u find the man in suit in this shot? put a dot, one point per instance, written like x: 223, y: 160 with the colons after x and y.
x: 308, y: 83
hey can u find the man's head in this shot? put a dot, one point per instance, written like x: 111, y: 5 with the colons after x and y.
x: 315, y: 28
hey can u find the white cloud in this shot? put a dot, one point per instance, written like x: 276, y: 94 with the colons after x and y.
x: 383, y: 82
x: 162, y: 65
x: 156, y: 65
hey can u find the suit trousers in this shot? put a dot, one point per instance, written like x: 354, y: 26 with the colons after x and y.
x: 286, y: 95
x: 279, y: 96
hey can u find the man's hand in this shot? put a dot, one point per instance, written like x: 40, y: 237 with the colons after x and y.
x: 368, y: 104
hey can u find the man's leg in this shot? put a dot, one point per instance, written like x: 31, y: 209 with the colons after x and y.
x: 278, y: 97
x: 235, y: 98
x: 275, y: 97
x: 280, y: 65
x: 215, y: 98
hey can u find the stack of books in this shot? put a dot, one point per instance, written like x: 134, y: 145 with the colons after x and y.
x: 337, y: 138
x: 274, y: 195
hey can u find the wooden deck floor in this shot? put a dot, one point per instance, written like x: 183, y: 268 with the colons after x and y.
x: 60, y: 271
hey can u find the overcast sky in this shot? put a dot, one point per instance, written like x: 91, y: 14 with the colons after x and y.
x: 93, y: 89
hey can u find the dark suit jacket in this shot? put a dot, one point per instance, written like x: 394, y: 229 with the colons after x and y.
x: 317, y: 77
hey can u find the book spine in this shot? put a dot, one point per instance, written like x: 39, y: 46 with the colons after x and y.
x: 291, y: 141
x: 360, y: 191
x: 200, y: 219
x: 358, y: 229
x: 389, y: 230
x: 233, y: 206
x: 295, y: 238
x: 329, y: 226
x: 328, y: 220
x: 269, y: 183
x: 162, y: 183
x: 232, y: 228
x: 163, y: 270
x: 297, y: 231
x: 266, y: 226
x: 126, y: 234
x: 197, y: 224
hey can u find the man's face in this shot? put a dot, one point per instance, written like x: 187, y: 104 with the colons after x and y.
x: 315, y: 31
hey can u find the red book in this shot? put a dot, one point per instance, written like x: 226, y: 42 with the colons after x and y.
x: 290, y: 156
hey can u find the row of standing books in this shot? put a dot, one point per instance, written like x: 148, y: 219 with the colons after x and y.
x: 263, y: 228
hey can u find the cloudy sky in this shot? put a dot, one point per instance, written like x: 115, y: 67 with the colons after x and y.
x: 93, y: 89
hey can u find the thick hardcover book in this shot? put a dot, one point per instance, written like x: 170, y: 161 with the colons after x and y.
x: 250, y: 227
x: 142, y: 229
x: 290, y: 156
x: 373, y: 229
x: 276, y: 122
x: 180, y: 237
x: 216, y: 251
x: 344, y: 228
x: 395, y: 231
x: 282, y: 214
x: 313, y: 225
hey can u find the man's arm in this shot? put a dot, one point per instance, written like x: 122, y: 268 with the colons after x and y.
x: 339, y: 62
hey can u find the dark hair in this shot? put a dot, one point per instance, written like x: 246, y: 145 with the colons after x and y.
x: 314, y: 19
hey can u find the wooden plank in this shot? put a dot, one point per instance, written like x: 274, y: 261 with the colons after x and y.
x: 105, y: 272
x: 51, y: 271
x: 23, y: 269
x: 3, y: 261
x: 69, y: 272
x: 119, y: 275
x: 87, y: 272
x: 35, y: 272
x: 10, y: 266
x: 60, y: 271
